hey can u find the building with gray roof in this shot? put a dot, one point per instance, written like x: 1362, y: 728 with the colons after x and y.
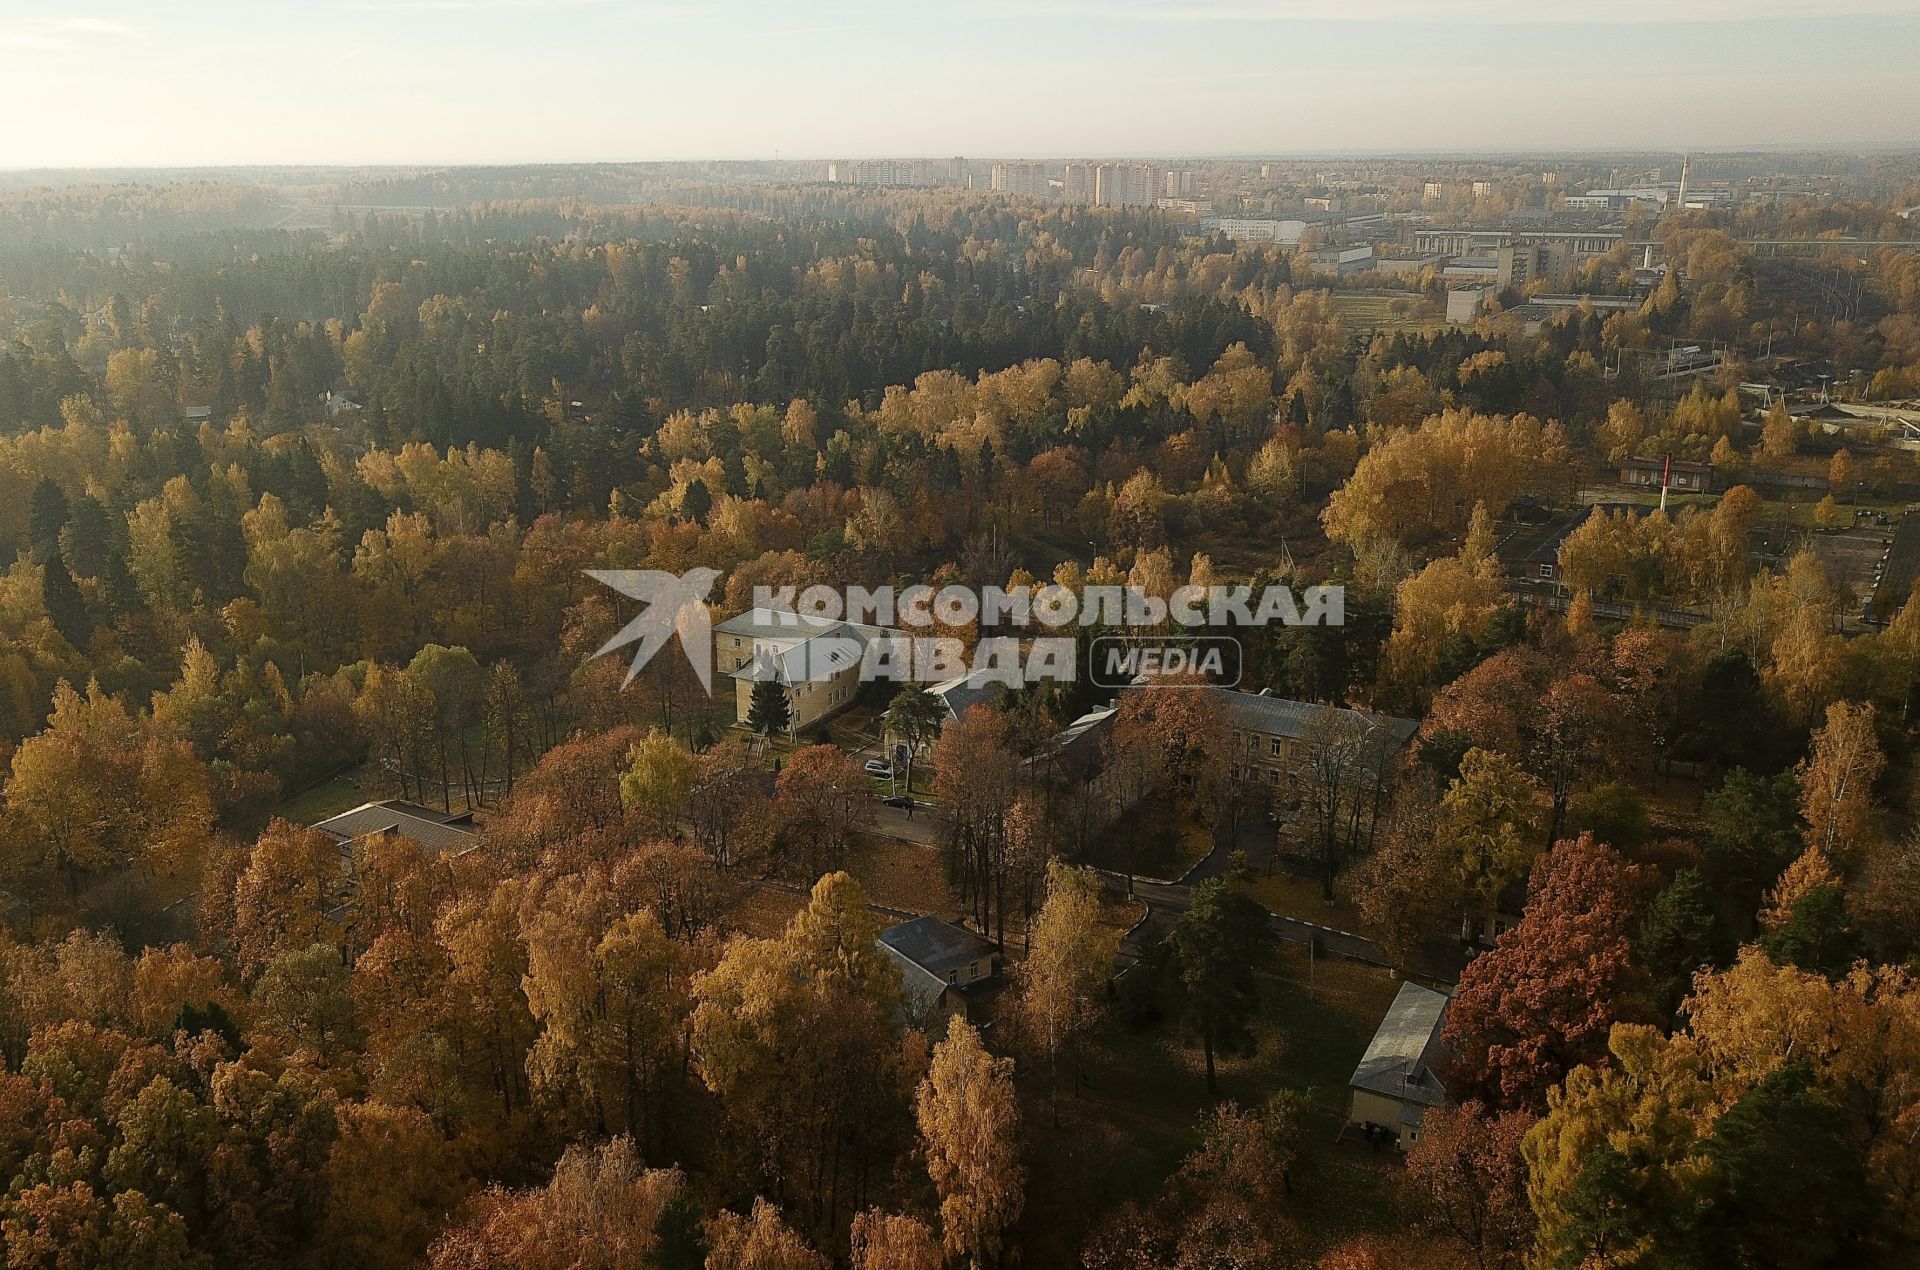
x: 1396, y: 1083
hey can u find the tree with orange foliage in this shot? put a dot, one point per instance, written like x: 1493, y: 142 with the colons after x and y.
x: 1542, y: 1001
x: 1467, y: 1175
x: 822, y: 798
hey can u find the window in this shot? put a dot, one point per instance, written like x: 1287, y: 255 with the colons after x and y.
x: 953, y: 976
x: 1546, y: 570
x: 1276, y: 748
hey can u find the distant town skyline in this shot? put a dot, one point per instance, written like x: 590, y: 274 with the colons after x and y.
x: 211, y: 82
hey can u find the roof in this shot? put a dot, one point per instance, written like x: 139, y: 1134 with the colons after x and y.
x: 1082, y: 732
x: 920, y: 986
x: 1398, y: 1061
x: 962, y: 693
x: 766, y: 623
x: 1655, y: 465
x: 934, y: 946
x: 817, y: 657
x: 1282, y: 716
x: 435, y: 830
x: 795, y: 648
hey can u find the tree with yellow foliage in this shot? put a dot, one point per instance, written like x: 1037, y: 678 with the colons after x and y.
x: 1070, y: 958
x: 1836, y: 782
x: 970, y: 1129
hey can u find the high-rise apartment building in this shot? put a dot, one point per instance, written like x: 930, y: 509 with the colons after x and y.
x: 1021, y: 178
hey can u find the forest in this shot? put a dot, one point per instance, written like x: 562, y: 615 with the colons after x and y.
x: 289, y: 511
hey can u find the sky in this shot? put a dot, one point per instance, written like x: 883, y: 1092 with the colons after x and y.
x: 100, y: 83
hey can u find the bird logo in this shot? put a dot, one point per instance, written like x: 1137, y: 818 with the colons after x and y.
x: 675, y: 604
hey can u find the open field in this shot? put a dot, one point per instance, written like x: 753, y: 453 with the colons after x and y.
x: 1378, y: 310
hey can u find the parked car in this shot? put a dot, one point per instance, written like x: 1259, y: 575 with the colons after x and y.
x: 898, y: 800
x: 879, y: 767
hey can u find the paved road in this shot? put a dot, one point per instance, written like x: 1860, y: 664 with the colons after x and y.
x: 922, y: 826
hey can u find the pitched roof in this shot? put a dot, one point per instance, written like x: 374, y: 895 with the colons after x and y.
x: 435, y: 830
x: 920, y: 986
x: 796, y: 648
x: 817, y: 657
x: 934, y: 946
x: 963, y: 692
x: 1399, y: 1060
x: 1281, y: 716
x: 767, y: 623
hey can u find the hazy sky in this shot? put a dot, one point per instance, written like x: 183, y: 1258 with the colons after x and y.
x: 447, y: 81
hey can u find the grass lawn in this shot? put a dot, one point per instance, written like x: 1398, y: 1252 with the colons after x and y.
x: 1363, y: 309
x: 903, y: 875
x: 1122, y: 1135
x: 1280, y: 892
x: 329, y: 798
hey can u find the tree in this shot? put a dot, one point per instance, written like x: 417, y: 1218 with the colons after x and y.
x: 729, y: 811
x: 1069, y: 960
x: 1217, y: 945
x: 603, y: 1207
x: 1841, y: 476
x: 1779, y: 436
x: 889, y: 1241
x: 915, y: 716
x: 1759, y: 1209
x: 696, y: 501
x: 1754, y: 825
x: 976, y: 780
x: 660, y: 779
x: 1227, y: 1203
x: 768, y: 710
x: 47, y: 514
x: 1609, y: 1172
x: 969, y: 1122
x: 302, y: 1001
x: 823, y: 799
x: 64, y: 604
x: 1817, y: 934
x: 282, y: 899
x: 1562, y: 728
x: 799, y: 1038
x: 1676, y: 937
x: 759, y: 1242
x: 1836, y: 782
x: 92, y: 791
x: 1342, y: 784
x: 612, y: 994
x: 1543, y: 1000
x: 1486, y: 829
x: 1469, y: 1178
x: 390, y: 1178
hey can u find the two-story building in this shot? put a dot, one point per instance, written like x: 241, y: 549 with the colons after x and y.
x: 816, y: 660
x: 1271, y: 736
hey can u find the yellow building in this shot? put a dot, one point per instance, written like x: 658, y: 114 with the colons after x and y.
x: 816, y: 660
x: 1395, y: 1082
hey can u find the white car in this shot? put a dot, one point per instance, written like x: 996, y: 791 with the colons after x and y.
x: 879, y: 767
